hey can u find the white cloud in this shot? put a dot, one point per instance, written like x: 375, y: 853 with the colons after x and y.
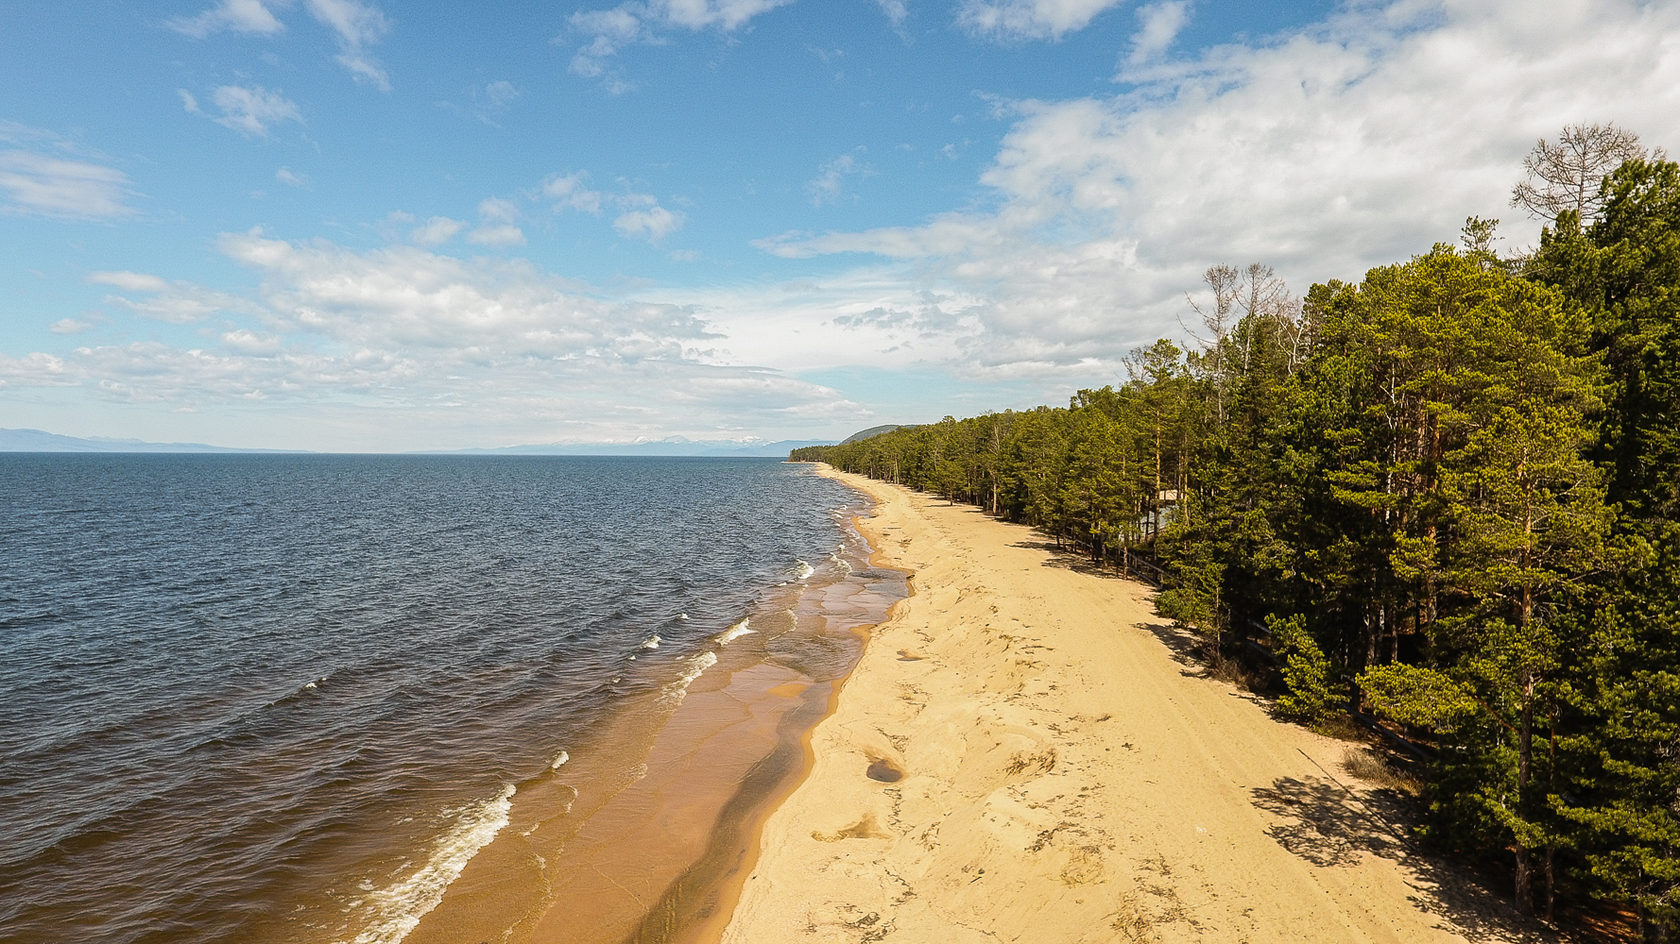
x: 568, y: 191
x: 1324, y: 152
x: 436, y: 231
x: 829, y: 184
x: 1015, y: 20
x: 498, y: 210
x: 651, y: 222
x: 1158, y: 25
x: 247, y: 110
x: 246, y: 341
x: 499, y: 95
x: 238, y: 16
x: 69, y: 326
x: 171, y: 302
x: 871, y: 317
x: 129, y: 281
x: 355, y: 26
x: 896, y: 10
x: 496, y: 224
x: 60, y: 188
x: 608, y: 31
x: 292, y: 178
x: 480, y: 351
x: 639, y: 215
x: 358, y: 25
x: 402, y: 296
x: 497, y: 235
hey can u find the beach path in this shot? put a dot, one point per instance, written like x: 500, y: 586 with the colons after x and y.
x: 1026, y: 752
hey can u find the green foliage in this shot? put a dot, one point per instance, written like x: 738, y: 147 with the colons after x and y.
x: 1418, y: 696
x: 1312, y: 694
x: 1462, y: 468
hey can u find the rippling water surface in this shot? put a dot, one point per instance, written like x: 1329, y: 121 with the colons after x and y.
x: 249, y: 696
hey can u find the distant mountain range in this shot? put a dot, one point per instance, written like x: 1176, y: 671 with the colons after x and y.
x: 869, y: 433
x: 34, y: 440
x: 673, y: 446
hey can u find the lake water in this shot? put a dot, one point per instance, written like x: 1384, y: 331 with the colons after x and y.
x: 301, y: 698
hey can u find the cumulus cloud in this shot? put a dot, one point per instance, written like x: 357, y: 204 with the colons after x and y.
x: 650, y: 221
x: 57, y: 187
x: 498, y: 210
x: 570, y: 192
x: 246, y: 341
x: 1158, y: 25
x: 645, y: 219
x: 238, y: 16
x: 406, y: 296
x: 870, y: 317
x: 173, y: 302
x: 1016, y: 20
x: 829, y: 184
x: 69, y: 326
x: 496, y: 224
x: 436, y: 231
x: 250, y: 111
x: 497, y: 235
x: 639, y: 215
x: 1352, y: 143
x: 457, y: 348
x: 606, y: 32
x: 355, y: 26
x: 499, y: 95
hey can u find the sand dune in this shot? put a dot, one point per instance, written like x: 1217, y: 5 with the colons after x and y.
x: 1024, y: 755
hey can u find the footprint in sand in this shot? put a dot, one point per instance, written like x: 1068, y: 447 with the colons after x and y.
x: 884, y: 771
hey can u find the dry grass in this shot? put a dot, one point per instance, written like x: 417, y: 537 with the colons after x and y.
x: 1372, y: 768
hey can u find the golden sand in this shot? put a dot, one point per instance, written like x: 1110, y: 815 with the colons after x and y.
x: 1025, y: 754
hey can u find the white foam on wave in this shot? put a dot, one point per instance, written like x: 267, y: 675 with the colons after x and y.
x: 674, y: 692
x: 559, y: 760
x: 805, y: 570
x: 651, y: 642
x: 734, y: 632
x: 398, y: 908
x: 840, y: 562
x: 683, y: 617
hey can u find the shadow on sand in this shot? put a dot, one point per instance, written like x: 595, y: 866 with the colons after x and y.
x: 1331, y: 827
x: 1068, y: 559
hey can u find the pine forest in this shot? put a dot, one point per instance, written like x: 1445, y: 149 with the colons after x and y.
x: 1444, y: 499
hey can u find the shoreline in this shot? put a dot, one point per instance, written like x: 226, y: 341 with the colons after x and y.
x: 1024, y: 752
x: 647, y: 831
x: 728, y: 889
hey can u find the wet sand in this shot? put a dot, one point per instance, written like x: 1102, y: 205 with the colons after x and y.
x: 646, y: 830
x: 1026, y: 752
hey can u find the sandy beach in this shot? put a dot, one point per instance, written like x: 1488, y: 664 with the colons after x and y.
x: 1027, y: 753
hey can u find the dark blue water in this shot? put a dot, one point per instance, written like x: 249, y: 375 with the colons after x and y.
x: 234, y: 690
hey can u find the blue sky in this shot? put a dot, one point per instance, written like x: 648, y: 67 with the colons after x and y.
x: 385, y: 225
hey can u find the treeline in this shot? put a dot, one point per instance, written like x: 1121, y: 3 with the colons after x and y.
x: 1448, y: 494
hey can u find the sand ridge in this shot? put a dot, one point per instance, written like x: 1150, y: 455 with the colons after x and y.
x: 1024, y: 753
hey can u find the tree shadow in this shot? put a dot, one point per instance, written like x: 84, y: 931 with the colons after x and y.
x: 1330, y: 826
x: 1185, y: 647
x: 1066, y: 558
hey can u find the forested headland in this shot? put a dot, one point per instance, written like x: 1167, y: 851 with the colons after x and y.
x: 1447, y: 495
